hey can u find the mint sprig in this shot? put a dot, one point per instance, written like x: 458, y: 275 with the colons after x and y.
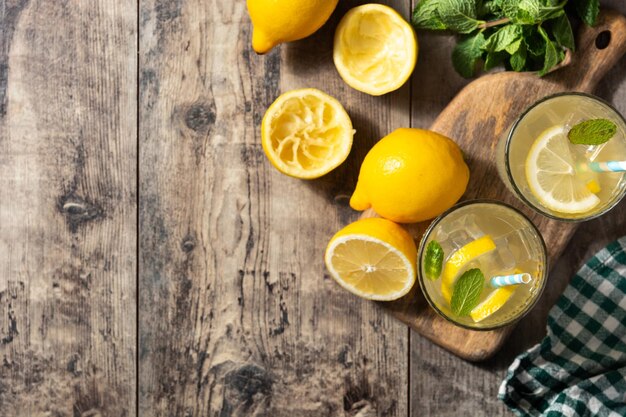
x: 467, y: 291
x: 522, y: 35
x: 592, y: 132
x: 434, y: 260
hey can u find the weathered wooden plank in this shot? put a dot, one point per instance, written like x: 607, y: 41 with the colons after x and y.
x: 236, y: 318
x: 440, y: 381
x: 67, y: 208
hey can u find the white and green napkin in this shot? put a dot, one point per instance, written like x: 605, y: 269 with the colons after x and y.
x: 579, y: 369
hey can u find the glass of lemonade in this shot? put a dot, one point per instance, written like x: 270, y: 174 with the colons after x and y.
x: 540, y: 165
x: 492, y: 264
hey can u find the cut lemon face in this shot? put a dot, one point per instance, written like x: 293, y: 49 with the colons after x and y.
x: 306, y: 133
x: 492, y: 303
x: 373, y: 258
x: 375, y: 49
x: 459, y: 259
x: 551, y: 175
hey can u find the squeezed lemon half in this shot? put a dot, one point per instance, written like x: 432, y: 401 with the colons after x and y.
x: 306, y: 133
x: 375, y: 49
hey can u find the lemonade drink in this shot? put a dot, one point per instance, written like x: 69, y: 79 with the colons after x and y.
x: 539, y: 164
x: 495, y: 239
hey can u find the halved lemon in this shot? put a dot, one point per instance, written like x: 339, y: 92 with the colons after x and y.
x: 306, y: 133
x: 459, y: 259
x: 375, y: 49
x: 552, y: 177
x: 373, y: 258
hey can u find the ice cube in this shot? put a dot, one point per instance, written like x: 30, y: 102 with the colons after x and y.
x: 502, y: 259
x: 518, y: 245
x: 452, y: 236
x: 460, y: 238
x: 455, y: 240
x: 470, y: 226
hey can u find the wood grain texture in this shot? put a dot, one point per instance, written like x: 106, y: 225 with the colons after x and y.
x: 67, y: 208
x: 236, y: 319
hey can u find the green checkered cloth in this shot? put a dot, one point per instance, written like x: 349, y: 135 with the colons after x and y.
x: 579, y: 369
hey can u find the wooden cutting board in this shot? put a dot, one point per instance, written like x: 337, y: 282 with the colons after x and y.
x: 475, y: 119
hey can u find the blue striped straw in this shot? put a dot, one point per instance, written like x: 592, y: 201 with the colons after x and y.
x: 609, y: 166
x: 504, y: 280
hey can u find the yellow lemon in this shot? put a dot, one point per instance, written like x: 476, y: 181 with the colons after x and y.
x: 375, y: 49
x: 278, y: 21
x: 492, y: 303
x: 306, y: 133
x: 411, y: 175
x: 373, y: 258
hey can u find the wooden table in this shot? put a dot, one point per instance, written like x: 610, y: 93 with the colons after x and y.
x: 153, y: 263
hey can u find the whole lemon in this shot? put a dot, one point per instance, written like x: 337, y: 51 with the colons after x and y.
x: 411, y: 175
x: 278, y: 21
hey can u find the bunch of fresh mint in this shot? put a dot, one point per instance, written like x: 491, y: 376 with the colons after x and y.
x: 523, y: 35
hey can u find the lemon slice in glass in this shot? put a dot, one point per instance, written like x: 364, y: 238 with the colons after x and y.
x: 373, y: 258
x: 492, y: 303
x: 375, y: 49
x: 459, y: 259
x: 306, y: 133
x: 551, y: 175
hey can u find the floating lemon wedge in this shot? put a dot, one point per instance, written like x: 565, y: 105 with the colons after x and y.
x: 459, y: 259
x: 492, y: 303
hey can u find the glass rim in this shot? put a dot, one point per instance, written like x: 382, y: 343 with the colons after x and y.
x: 509, y: 174
x: 422, y: 248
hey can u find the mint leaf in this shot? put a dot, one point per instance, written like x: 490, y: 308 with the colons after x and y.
x: 588, y: 10
x: 466, y: 54
x: 551, y: 57
x: 459, y: 15
x: 524, y: 35
x: 513, y: 47
x: 425, y: 15
x: 592, y: 132
x: 491, y: 7
x: 535, y: 43
x: 503, y: 37
x: 562, y: 31
x: 493, y: 60
x: 529, y: 12
x: 467, y: 291
x: 518, y: 59
x: 434, y: 260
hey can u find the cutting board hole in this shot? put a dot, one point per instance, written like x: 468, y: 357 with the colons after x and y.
x: 603, y: 39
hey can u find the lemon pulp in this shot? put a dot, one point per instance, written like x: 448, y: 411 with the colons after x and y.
x: 373, y: 258
x: 375, y: 49
x: 552, y: 177
x: 306, y: 133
